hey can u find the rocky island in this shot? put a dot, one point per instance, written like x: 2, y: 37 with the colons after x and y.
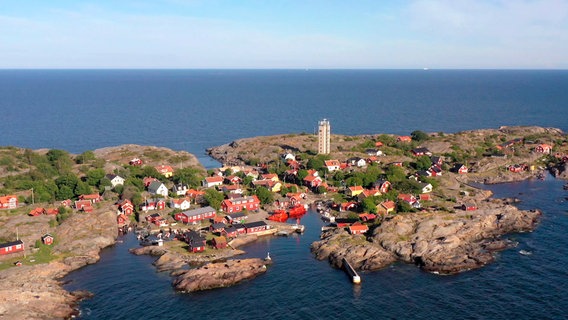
x: 431, y: 213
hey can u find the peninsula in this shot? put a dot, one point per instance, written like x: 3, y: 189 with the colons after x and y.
x: 413, y: 198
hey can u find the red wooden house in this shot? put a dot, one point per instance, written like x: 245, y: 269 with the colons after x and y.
x: 125, y: 207
x: 93, y: 197
x: 469, y: 207
x: 382, y: 185
x: 250, y: 203
x: 47, y: 239
x: 195, y: 240
x: 257, y: 226
x: 219, y: 242
x: 312, y: 181
x: 403, y: 139
x: 8, y: 202
x: 196, y: 215
x: 230, y: 232
x: 135, y: 162
x: 11, y: 247
x: 460, y: 168
x: 121, y: 219
x: 153, y: 204
x: 84, y: 205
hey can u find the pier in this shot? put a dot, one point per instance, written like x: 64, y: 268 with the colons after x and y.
x: 351, y: 272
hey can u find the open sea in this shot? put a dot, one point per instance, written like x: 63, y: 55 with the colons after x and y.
x: 79, y: 110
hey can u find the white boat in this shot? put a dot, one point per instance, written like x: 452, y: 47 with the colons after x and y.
x: 525, y: 252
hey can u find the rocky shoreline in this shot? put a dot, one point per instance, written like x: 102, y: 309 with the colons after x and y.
x: 36, y: 292
x: 444, y: 243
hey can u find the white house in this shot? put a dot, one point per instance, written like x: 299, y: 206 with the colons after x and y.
x: 182, y: 204
x: 115, y: 180
x: 180, y: 189
x: 426, y: 187
x: 212, y: 181
x: 158, y: 188
x: 332, y: 165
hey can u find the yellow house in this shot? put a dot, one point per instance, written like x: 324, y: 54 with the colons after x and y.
x: 354, y: 191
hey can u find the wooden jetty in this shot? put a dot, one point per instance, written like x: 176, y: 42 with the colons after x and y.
x: 351, y: 272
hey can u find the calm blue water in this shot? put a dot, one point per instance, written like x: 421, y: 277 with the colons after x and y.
x: 79, y: 110
x: 192, y: 110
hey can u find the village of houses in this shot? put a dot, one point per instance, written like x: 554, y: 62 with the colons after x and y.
x: 178, y: 211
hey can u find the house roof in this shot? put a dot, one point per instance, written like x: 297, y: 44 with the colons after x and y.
x: 198, y: 211
x: 388, y: 204
x: 254, y: 224
x: 12, y: 243
x: 358, y: 227
x: 155, y: 185
x: 218, y: 225
x: 331, y: 163
x: 236, y: 215
x: 214, y: 179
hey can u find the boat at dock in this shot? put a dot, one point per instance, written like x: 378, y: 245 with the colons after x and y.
x: 279, y: 216
x: 297, y: 211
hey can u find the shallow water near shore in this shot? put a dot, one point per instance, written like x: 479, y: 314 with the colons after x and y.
x: 297, y: 286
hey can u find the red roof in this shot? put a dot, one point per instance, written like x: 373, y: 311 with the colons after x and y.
x: 389, y: 205
x: 214, y: 179
x: 164, y: 169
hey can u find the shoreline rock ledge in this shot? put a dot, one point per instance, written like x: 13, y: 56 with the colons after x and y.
x: 219, y: 274
x: 443, y: 243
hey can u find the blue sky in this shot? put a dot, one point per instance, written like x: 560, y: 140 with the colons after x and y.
x: 461, y: 34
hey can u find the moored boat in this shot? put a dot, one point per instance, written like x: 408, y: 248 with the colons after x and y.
x: 296, y: 211
x: 279, y: 216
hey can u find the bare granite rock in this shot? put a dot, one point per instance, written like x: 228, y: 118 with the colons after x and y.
x: 34, y: 292
x: 445, y: 243
x: 218, y: 275
x: 361, y: 254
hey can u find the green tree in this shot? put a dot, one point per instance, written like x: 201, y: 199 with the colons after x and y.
x: 94, y: 176
x: 302, y: 173
x: 423, y: 163
x: 213, y: 198
x: 82, y: 188
x: 264, y: 195
x: 70, y: 180
x: 418, y: 135
x: 189, y: 176
x: 315, y: 163
x: 63, y: 193
x: 395, y: 173
x: 85, y: 157
x: 369, y: 205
